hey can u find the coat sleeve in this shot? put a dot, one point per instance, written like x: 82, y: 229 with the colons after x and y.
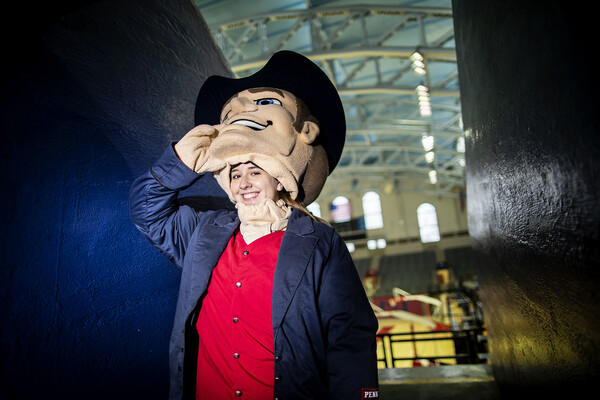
x: 351, y: 328
x: 154, y: 209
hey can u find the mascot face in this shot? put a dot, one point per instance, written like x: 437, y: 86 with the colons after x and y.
x: 270, y: 128
x: 268, y: 117
x: 262, y: 114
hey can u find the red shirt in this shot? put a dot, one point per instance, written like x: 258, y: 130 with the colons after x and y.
x: 236, y: 350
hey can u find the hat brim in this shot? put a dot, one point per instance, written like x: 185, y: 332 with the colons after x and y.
x: 296, y: 74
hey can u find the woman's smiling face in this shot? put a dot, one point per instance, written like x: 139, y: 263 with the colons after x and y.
x: 251, y: 185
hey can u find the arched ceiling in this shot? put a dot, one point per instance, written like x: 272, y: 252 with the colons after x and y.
x: 368, y: 52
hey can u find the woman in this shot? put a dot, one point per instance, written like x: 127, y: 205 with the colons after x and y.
x: 270, y: 302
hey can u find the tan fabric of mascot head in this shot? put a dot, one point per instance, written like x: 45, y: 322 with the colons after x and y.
x: 276, y: 131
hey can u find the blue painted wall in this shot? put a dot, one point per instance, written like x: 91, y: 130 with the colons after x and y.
x: 91, y: 97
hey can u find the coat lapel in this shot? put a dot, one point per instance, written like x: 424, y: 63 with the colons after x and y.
x: 297, y: 247
x: 208, y: 249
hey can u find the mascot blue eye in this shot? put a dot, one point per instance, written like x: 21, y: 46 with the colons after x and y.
x: 266, y: 102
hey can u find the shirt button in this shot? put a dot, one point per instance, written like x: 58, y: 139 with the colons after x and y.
x: 235, y: 320
x: 238, y: 284
x: 236, y: 355
x: 238, y: 393
x: 246, y: 252
x: 278, y: 379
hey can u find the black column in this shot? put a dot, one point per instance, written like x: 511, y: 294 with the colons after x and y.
x: 528, y: 87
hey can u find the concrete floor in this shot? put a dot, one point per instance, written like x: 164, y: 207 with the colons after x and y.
x: 472, y: 382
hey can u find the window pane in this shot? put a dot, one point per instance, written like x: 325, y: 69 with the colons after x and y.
x: 372, y: 210
x: 315, y: 209
x: 428, y: 223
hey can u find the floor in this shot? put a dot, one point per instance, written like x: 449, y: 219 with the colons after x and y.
x: 472, y: 382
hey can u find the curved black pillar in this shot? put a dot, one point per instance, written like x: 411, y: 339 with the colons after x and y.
x: 528, y: 88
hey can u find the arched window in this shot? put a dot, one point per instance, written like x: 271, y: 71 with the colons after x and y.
x: 428, y: 223
x: 340, y: 209
x: 372, y: 210
x: 315, y: 209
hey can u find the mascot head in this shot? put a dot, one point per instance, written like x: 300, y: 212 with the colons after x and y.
x: 286, y: 118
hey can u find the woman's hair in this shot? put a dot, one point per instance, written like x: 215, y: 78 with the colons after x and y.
x: 285, y: 196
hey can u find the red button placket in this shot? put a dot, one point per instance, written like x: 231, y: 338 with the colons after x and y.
x: 236, y: 318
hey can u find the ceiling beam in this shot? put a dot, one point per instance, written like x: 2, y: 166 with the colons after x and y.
x: 322, y: 12
x: 403, y: 52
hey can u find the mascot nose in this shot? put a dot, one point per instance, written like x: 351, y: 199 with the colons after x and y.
x: 242, y: 104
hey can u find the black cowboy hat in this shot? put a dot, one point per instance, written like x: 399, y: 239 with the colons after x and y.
x: 294, y: 73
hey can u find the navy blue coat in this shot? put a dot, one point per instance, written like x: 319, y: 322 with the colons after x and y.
x: 323, y: 325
